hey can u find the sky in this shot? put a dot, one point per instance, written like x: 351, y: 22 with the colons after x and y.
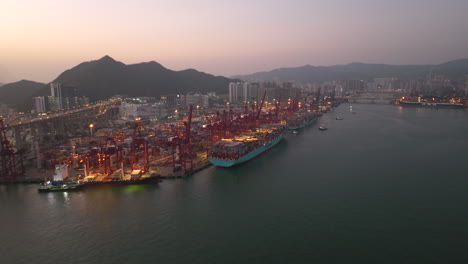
x: 39, y: 39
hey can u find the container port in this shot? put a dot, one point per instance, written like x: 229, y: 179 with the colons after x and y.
x: 140, y: 151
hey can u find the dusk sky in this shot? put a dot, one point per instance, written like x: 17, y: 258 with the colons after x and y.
x: 39, y: 39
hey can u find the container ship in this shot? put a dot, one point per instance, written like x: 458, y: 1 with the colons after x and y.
x: 62, y: 183
x: 246, y: 146
x: 301, y: 120
x: 58, y: 184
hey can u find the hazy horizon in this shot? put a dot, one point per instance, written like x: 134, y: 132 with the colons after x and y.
x: 41, y: 39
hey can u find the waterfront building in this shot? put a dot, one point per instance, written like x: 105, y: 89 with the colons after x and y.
x: 351, y: 86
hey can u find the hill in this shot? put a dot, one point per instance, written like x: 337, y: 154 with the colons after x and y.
x: 106, y: 77
x: 14, y: 94
x: 453, y: 69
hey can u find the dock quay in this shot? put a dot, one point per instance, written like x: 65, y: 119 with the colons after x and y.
x: 97, y: 144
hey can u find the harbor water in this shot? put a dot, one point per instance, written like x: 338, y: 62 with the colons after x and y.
x: 384, y: 185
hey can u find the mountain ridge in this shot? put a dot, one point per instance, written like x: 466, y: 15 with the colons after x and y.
x: 16, y: 93
x: 105, y: 77
x: 358, y: 70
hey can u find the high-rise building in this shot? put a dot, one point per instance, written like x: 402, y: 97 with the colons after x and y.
x: 233, y: 92
x: 56, y: 91
x: 69, y: 102
x: 52, y: 103
x: 241, y: 91
x: 39, y: 104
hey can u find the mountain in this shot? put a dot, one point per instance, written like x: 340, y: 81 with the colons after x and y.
x: 453, y: 69
x: 1, y: 84
x: 14, y: 94
x: 106, y: 77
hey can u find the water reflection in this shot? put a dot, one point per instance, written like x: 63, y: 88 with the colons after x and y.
x: 57, y: 198
x: 400, y: 109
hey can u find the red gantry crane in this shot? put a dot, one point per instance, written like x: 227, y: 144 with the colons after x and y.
x: 139, y: 149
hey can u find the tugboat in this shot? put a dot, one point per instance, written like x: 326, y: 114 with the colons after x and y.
x: 57, y: 184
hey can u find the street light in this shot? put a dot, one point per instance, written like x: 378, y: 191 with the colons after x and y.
x: 91, y: 126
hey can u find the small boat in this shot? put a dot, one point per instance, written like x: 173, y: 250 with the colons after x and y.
x: 295, y: 132
x: 339, y: 118
x: 322, y: 128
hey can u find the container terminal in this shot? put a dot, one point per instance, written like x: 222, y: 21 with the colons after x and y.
x: 112, y: 152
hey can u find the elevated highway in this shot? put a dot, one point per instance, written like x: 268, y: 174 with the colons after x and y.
x: 62, y: 124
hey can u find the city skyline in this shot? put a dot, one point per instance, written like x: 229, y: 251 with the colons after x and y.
x: 41, y: 39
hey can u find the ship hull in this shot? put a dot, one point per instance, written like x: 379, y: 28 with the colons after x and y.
x: 251, y: 155
x: 148, y: 180
x: 303, y: 125
x: 66, y: 188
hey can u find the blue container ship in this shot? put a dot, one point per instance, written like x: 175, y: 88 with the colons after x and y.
x: 245, y: 147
